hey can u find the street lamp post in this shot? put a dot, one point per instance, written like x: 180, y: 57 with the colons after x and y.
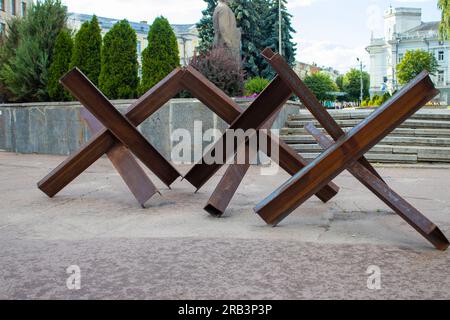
x: 280, y: 42
x: 361, y: 97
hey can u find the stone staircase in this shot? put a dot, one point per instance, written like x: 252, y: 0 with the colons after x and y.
x: 424, y: 138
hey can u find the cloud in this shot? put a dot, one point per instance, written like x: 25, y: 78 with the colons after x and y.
x: 331, y: 54
x: 185, y: 11
x: 300, y: 3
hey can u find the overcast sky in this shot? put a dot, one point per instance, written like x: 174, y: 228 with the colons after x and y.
x: 329, y: 32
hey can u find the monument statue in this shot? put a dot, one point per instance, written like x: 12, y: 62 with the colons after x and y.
x: 226, y: 33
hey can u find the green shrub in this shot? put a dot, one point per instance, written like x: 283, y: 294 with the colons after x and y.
x: 255, y: 86
x: 60, y: 65
x: 161, y: 56
x: 221, y: 69
x: 119, y: 74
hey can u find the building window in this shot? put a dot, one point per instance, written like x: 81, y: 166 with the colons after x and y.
x: 400, y: 57
x: 2, y: 5
x: 139, y: 48
x: 24, y: 8
x: 13, y: 7
x: 441, y: 77
x: 441, y: 55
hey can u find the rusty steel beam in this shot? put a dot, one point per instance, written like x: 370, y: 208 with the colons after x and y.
x: 231, y: 180
x: 230, y: 111
x: 138, y: 112
x: 262, y: 109
x: 126, y: 165
x: 291, y: 161
x: 349, y: 148
x: 398, y: 204
x: 308, y: 99
x: 117, y: 124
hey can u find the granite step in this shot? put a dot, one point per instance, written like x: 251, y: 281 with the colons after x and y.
x: 407, y: 132
x: 431, y: 124
x: 376, y: 157
x: 438, y: 115
x: 390, y: 140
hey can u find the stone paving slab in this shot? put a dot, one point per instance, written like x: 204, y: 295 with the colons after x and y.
x: 173, y: 249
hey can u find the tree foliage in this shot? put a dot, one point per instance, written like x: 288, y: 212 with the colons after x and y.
x: 222, y: 70
x: 249, y: 20
x: 258, y: 20
x: 272, y: 31
x: 205, y: 27
x: 444, y: 27
x: 87, y: 49
x: 25, y: 74
x: 321, y: 85
x: 59, y: 66
x: 119, y: 73
x: 8, y: 46
x: 413, y: 63
x: 352, y: 84
x: 161, y: 56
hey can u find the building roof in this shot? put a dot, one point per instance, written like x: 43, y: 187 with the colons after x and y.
x: 425, y: 29
x: 139, y: 27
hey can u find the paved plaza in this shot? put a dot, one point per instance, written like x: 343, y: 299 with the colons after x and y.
x: 175, y: 250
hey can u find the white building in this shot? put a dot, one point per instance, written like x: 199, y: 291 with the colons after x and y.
x: 187, y: 34
x: 12, y: 8
x: 405, y: 30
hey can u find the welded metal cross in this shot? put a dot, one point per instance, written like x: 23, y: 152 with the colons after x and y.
x: 260, y: 115
x: 120, y: 131
x: 126, y: 165
x: 348, y: 151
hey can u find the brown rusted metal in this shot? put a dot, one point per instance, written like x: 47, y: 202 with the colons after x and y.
x: 148, y: 104
x: 308, y: 99
x: 351, y: 147
x: 231, y: 180
x: 138, y: 112
x: 230, y: 111
x: 118, y: 125
x: 400, y: 206
x: 262, y: 109
x: 126, y: 165
x: 291, y: 161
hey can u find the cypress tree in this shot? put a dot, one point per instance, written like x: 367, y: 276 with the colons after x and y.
x: 87, y: 49
x: 59, y: 66
x: 119, y: 73
x: 161, y: 56
x: 272, y: 34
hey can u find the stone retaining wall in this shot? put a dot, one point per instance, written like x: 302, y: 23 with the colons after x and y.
x: 57, y: 128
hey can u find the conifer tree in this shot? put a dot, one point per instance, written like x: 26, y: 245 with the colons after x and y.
x: 272, y: 32
x: 119, y: 73
x: 205, y: 27
x: 25, y: 74
x: 161, y: 56
x: 59, y: 66
x: 87, y: 50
